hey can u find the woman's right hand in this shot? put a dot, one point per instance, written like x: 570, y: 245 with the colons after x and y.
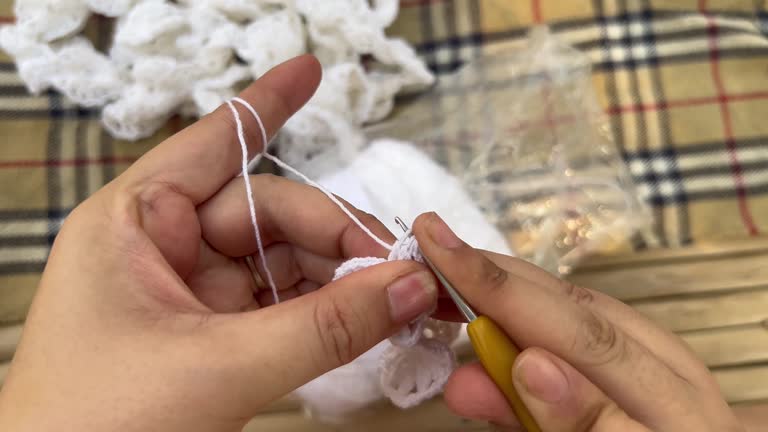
x: 589, y: 363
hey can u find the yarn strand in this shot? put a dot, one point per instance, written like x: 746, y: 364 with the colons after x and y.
x: 251, y: 204
x: 279, y: 162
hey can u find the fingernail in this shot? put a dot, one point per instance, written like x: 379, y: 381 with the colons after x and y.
x: 442, y: 234
x: 411, y: 296
x: 541, y: 378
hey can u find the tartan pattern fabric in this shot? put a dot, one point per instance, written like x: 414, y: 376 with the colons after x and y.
x: 683, y: 84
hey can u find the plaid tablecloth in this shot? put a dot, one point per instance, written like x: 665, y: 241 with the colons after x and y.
x: 684, y: 83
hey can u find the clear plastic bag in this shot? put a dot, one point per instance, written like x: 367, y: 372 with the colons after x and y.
x: 523, y: 130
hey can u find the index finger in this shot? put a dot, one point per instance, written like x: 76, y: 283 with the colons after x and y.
x: 287, y: 212
x: 202, y: 158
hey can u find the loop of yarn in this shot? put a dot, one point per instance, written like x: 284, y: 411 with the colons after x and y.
x: 406, y: 248
x: 246, y: 177
x: 277, y: 161
x: 249, y: 194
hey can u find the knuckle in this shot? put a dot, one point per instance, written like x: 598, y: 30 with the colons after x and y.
x: 599, y: 415
x: 251, y: 129
x: 223, y: 116
x: 132, y: 203
x: 492, y: 277
x: 516, y: 262
x: 153, y: 193
x: 334, y: 324
x: 577, y: 294
x: 600, y: 340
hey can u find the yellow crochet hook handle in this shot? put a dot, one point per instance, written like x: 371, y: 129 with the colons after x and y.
x: 497, y: 353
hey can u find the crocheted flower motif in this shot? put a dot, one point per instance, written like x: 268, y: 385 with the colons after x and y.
x: 189, y: 56
x: 412, y: 375
x: 418, y: 363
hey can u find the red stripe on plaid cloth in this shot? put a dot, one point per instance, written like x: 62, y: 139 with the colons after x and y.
x: 536, y: 11
x: 7, y: 20
x: 66, y: 162
x: 550, y: 122
x: 550, y: 119
x: 553, y: 121
x: 725, y: 114
x: 614, y: 110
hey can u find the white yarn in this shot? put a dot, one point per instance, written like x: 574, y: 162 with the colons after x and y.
x: 49, y: 20
x: 249, y: 193
x: 185, y: 56
x: 110, y: 8
x: 307, y: 180
x: 406, y: 248
x: 257, y: 47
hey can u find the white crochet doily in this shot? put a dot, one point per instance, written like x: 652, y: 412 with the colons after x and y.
x: 189, y: 56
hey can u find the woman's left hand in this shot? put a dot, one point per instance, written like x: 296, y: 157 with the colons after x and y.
x: 146, y: 317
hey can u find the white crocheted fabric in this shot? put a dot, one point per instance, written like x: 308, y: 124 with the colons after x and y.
x: 189, y: 56
x: 419, y: 360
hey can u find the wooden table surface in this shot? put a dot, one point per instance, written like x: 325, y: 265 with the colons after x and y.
x: 714, y: 296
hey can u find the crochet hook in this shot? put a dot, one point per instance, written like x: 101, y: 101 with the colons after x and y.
x: 496, y: 351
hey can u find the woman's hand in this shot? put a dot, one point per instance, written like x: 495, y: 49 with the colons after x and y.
x: 590, y: 363
x: 147, y: 318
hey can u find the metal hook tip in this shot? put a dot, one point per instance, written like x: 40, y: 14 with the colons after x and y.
x: 401, y: 223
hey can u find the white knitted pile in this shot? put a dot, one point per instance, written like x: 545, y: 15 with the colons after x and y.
x: 189, y: 56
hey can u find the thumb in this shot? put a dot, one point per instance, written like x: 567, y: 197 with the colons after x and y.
x: 284, y: 346
x: 562, y: 399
